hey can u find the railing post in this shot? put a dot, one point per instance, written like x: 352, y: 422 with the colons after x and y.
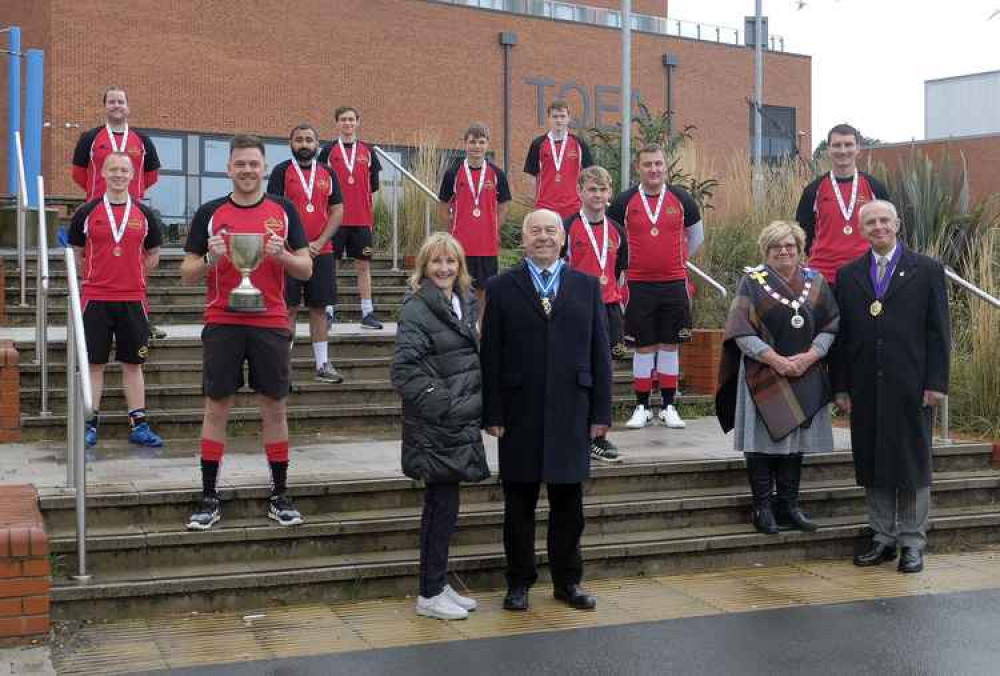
x: 22, y: 219
x: 80, y: 475
x: 42, y: 302
x: 427, y: 218
x: 71, y: 400
x: 945, y: 421
x: 395, y: 226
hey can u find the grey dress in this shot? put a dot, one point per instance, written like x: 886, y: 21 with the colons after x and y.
x: 750, y: 435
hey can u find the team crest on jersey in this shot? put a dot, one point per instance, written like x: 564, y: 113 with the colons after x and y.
x: 273, y: 225
x: 572, y: 154
x: 323, y: 184
x: 133, y: 152
x: 671, y: 210
x: 488, y: 185
x: 134, y: 222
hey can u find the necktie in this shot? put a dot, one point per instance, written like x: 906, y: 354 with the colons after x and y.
x: 546, y: 300
x: 882, y: 262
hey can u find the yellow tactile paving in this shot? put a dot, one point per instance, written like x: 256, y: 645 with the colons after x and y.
x: 294, y: 631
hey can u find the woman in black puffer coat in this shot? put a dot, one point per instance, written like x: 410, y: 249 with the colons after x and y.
x: 435, y: 370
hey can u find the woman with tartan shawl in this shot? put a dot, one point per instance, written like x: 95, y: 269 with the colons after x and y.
x: 773, y: 388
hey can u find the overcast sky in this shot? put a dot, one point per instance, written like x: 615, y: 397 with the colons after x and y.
x: 870, y: 58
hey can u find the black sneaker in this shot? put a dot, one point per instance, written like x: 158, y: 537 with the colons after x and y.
x: 280, y: 509
x: 207, y: 514
x: 328, y: 374
x: 369, y: 322
x: 157, y: 333
x: 602, y: 449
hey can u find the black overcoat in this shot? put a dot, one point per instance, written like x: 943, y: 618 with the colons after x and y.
x: 885, y: 363
x: 546, y: 380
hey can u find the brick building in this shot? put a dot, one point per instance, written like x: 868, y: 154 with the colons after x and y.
x: 197, y: 72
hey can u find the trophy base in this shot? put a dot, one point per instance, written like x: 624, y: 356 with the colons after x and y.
x: 248, y: 303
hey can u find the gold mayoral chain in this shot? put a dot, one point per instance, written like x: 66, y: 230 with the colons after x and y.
x: 798, y: 321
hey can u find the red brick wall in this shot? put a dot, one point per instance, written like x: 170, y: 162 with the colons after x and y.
x: 10, y: 392
x: 223, y: 67
x: 982, y: 153
x: 24, y: 566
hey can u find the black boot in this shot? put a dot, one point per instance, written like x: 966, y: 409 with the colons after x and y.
x: 787, y: 512
x: 759, y: 476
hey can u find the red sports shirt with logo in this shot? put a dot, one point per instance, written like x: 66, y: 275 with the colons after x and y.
x: 271, y: 215
x: 657, y: 251
x: 114, y: 271
x: 356, y: 186
x: 285, y: 182
x: 94, y: 147
x: 559, y: 195
x: 579, y: 252
x: 478, y: 235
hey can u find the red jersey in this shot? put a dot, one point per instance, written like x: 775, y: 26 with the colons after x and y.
x: 657, y: 246
x: 223, y: 216
x: 831, y: 239
x: 356, y: 183
x: 113, y: 264
x: 579, y: 252
x: 479, y: 234
x: 285, y: 182
x: 93, y: 148
x: 555, y: 189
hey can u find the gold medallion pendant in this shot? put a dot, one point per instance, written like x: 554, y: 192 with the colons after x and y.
x: 875, y: 309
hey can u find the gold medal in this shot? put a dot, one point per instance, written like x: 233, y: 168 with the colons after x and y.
x: 654, y: 232
x: 350, y: 179
x: 117, y: 251
x: 476, y: 212
x: 848, y: 230
x: 604, y: 280
x: 875, y: 309
x: 310, y: 208
x: 798, y: 321
x: 546, y: 305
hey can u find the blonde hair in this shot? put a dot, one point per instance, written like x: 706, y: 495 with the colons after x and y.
x: 779, y: 230
x: 597, y: 174
x: 440, y: 242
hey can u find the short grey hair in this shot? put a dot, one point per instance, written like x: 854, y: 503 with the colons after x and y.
x: 885, y: 204
x: 546, y: 213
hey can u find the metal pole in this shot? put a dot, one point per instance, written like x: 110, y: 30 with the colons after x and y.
x: 945, y: 421
x: 427, y: 218
x: 22, y: 218
x: 71, y: 400
x: 972, y: 288
x: 395, y: 225
x: 42, y: 300
x: 80, y: 473
x: 13, y: 105
x: 506, y: 108
x: 758, y: 64
x: 626, y: 103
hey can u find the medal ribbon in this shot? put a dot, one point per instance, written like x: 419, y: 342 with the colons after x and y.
x: 114, y: 144
x: 477, y: 191
x: 846, y: 211
x: 602, y: 255
x: 312, y: 178
x: 117, y: 232
x: 557, y: 158
x: 349, y: 163
x: 882, y: 286
x: 654, y: 216
x: 544, y: 289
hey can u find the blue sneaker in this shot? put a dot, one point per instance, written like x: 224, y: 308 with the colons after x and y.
x: 90, y: 436
x: 143, y: 436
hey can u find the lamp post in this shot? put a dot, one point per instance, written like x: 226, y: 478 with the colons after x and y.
x: 626, y: 103
x: 507, y: 42
x: 669, y: 63
x: 758, y: 66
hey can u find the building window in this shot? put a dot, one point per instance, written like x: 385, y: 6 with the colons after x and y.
x: 778, y: 125
x: 168, y: 195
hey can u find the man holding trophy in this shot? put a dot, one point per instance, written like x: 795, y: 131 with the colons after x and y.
x: 242, y: 245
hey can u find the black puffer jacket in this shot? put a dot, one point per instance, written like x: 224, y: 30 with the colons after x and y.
x: 435, y: 370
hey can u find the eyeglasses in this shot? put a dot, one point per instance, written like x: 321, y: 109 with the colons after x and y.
x: 782, y: 247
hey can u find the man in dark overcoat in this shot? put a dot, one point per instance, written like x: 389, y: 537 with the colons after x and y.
x: 546, y: 394
x: 890, y: 368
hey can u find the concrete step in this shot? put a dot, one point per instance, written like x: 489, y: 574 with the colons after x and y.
x: 167, y: 297
x: 163, y: 276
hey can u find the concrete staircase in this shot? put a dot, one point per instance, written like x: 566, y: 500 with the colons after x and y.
x: 360, y: 538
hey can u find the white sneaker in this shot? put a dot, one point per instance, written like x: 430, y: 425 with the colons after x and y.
x: 440, y: 607
x: 459, y: 600
x: 669, y: 417
x: 640, y: 418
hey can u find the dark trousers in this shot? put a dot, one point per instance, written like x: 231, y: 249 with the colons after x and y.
x: 565, y: 529
x: 436, y: 526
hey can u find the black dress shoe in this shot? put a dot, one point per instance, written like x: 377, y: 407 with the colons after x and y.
x: 878, y: 553
x: 573, y: 596
x: 911, y: 560
x: 516, y: 599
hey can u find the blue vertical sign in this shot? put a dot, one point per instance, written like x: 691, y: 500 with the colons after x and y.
x: 35, y: 81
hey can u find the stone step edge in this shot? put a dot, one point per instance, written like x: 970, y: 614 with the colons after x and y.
x: 485, y: 514
x: 406, y: 562
x: 55, y: 498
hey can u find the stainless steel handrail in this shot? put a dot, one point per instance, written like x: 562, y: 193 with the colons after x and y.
x: 971, y: 288
x: 22, y: 220
x: 704, y: 275
x: 42, y: 301
x: 80, y: 405
x: 395, y: 203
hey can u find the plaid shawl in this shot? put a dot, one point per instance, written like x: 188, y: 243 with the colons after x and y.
x: 784, y: 404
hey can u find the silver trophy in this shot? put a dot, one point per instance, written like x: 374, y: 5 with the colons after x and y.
x: 246, y: 251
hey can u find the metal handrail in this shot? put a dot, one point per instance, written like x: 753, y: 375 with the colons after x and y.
x: 42, y: 301
x: 704, y: 275
x: 395, y: 203
x: 971, y: 288
x: 80, y: 406
x: 22, y: 220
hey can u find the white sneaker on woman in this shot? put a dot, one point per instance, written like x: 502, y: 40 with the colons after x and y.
x: 461, y: 601
x: 440, y: 607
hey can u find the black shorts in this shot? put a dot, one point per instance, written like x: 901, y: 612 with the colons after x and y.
x: 658, y: 312
x: 353, y: 242
x: 226, y: 346
x: 615, y: 331
x: 124, y: 321
x: 319, y: 290
x: 481, y: 269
